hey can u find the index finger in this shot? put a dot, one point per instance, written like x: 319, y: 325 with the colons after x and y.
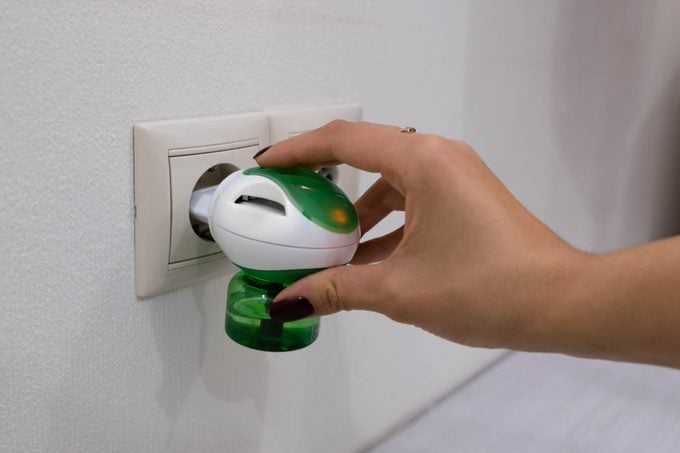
x: 367, y: 146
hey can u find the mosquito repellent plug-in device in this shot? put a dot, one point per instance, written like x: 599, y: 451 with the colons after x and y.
x: 277, y: 225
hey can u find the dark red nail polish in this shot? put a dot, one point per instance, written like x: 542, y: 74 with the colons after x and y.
x: 260, y: 152
x: 290, y: 309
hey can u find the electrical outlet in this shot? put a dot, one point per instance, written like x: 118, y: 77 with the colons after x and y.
x: 170, y: 158
x: 173, y: 158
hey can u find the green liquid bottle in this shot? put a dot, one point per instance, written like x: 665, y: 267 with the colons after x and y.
x: 249, y: 324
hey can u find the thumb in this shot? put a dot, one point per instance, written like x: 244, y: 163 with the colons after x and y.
x: 330, y: 291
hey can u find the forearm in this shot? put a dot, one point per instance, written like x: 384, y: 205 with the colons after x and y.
x: 621, y: 306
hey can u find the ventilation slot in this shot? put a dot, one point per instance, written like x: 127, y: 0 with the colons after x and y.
x: 263, y: 203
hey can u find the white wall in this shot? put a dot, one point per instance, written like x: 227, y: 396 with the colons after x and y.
x: 576, y: 106
x: 85, y: 365
x: 570, y: 102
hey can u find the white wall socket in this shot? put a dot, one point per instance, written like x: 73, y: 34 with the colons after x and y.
x: 169, y: 158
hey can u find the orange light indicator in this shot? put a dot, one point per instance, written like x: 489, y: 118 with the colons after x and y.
x: 339, y: 215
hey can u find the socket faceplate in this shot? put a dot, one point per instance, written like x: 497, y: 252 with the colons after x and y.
x: 169, y: 158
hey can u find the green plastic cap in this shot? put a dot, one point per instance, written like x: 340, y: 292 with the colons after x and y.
x: 317, y: 198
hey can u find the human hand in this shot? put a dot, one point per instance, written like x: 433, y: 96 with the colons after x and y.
x: 470, y: 264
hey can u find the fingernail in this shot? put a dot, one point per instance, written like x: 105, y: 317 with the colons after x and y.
x: 292, y: 309
x: 260, y: 152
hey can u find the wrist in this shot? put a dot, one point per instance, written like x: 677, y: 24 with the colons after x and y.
x: 557, y: 308
x: 619, y: 306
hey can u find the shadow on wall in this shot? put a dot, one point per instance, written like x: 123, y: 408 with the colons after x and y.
x: 218, y: 395
x: 616, y: 130
x: 110, y: 393
x: 575, y: 106
x: 194, y: 350
x: 652, y: 186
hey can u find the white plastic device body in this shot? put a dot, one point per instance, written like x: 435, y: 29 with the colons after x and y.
x: 269, y: 235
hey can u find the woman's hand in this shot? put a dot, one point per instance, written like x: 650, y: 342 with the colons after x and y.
x: 470, y: 264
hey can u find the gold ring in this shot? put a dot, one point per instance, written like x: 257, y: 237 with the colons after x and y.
x: 408, y: 130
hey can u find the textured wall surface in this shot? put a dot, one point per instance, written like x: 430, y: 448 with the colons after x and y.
x: 572, y: 103
x: 84, y: 364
